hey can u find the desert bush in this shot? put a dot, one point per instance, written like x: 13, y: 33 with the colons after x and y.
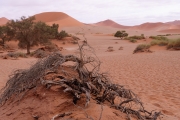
x: 30, y: 33
x: 142, y: 48
x: 159, y: 42
x: 44, y: 51
x: 174, y: 44
x: 39, y: 53
x: 51, y: 47
x: 110, y: 49
x: 61, y: 35
x: 74, y: 42
x: 6, y: 34
x: 133, y: 40
x: 121, y: 48
x: 121, y: 34
x: 17, y: 54
x: 135, y: 37
x: 158, y: 38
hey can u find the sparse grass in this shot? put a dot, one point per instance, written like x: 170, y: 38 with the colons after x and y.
x: 110, y: 49
x: 39, y: 53
x: 159, y: 42
x: 51, y: 47
x: 142, y: 48
x: 136, y: 37
x: 133, y: 40
x: 174, y: 44
x: 17, y: 54
x: 158, y: 37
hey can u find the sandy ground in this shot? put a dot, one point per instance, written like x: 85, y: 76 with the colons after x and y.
x: 153, y: 76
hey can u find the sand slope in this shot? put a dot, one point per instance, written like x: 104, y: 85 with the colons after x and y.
x: 154, y: 26
x: 176, y: 22
x: 154, y: 77
x: 170, y: 31
x: 111, y: 23
x: 3, y: 20
x: 142, y: 27
x: 57, y: 17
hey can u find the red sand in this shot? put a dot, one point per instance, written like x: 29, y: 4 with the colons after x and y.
x: 3, y: 21
x: 111, y: 23
x: 153, y: 76
x: 59, y: 18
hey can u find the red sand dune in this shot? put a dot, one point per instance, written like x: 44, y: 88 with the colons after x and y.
x: 170, y: 31
x: 176, y: 22
x: 111, y: 23
x: 144, y: 27
x: 59, y: 18
x: 3, y: 20
x: 149, y: 26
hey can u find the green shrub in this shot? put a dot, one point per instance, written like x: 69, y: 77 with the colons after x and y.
x: 174, y: 44
x: 133, y: 40
x: 135, y: 37
x: 159, y: 42
x: 142, y: 48
x: 61, y: 35
x: 122, y: 34
x: 39, y: 53
x: 17, y: 54
x: 158, y: 38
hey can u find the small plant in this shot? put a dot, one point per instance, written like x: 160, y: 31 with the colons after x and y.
x: 39, y: 53
x: 121, y: 48
x: 174, y: 44
x: 158, y: 37
x: 17, y: 54
x: 121, y: 34
x: 142, y: 48
x: 133, y: 40
x: 110, y: 49
x: 61, y: 35
x: 159, y: 42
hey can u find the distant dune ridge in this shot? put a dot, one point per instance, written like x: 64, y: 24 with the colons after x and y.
x: 159, y: 26
x: 176, y: 22
x: 65, y: 20
x: 111, y: 23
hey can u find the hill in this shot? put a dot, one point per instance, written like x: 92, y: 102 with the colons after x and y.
x: 60, y: 18
x: 111, y: 23
x: 176, y: 22
x: 3, y: 20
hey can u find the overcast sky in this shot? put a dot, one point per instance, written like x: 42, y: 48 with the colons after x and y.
x: 125, y: 12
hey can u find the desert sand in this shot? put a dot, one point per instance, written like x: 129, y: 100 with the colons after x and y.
x: 60, y: 18
x: 154, y: 77
x: 3, y: 21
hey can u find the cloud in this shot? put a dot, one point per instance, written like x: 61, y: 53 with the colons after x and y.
x: 89, y: 11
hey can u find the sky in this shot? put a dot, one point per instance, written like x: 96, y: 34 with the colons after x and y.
x: 124, y: 12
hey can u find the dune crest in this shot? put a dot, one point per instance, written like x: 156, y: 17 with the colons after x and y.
x: 59, y: 18
x: 3, y: 21
x: 176, y: 22
x: 111, y: 23
x: 170, y: 31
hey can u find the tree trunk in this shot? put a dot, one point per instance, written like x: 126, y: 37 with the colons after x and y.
x: 3, y: 42
x: 28, y: 48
